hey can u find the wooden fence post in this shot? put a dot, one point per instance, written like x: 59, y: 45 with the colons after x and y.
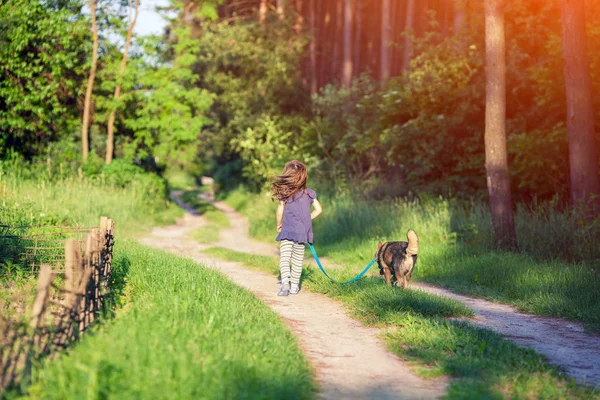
x: 42, y: 295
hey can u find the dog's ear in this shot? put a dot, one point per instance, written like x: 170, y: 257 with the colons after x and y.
x: 379, y: 244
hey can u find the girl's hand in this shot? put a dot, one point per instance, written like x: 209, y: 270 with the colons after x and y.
x: 279, y: 226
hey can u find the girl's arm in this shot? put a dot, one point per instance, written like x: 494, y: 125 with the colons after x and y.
x: 280, y: 215
x: 317, y: 209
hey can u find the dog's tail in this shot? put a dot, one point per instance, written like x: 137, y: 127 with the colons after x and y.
x: 413, y: 243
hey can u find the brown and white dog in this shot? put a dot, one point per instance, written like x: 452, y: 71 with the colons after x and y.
x: 398, y: 259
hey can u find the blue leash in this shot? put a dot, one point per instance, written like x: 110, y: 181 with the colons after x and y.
x: 364, y: 271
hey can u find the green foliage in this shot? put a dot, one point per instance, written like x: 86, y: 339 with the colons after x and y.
x: 43, y: 60
x: 260, y: 100
x: 186, y: 332
x: 170, y: 111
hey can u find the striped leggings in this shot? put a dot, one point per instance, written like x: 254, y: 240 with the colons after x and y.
x: 290, y: 253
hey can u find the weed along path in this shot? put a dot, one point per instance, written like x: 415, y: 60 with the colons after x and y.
x: 350, y: 360
x: 564, y: 343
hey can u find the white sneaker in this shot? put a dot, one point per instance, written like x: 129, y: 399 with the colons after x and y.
x: 295, y: 289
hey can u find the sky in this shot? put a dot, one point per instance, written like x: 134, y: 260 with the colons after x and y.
x: 149, y: 21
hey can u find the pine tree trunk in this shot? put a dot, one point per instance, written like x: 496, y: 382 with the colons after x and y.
x: 300, y: 20
x: 347, y: 72
x: 386, y: 37
x: 313, y: 48
x: 583, y: 157
x: 357, y: 37
x: 262, y: 12
x: 408, y: 28
x: 110, y: 141
x: 87, y: 104
x: 281, y: 9
x: 337, y: 42
x: 459, y: 16
x: 496, y: 160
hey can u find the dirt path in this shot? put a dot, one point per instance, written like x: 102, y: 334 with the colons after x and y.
x: 564, y: 343
x: 350, y: 360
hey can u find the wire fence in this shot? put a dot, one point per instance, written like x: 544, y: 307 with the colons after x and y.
x: 73, y: 270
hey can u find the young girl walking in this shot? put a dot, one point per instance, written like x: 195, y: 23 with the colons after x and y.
x: 294, y: 222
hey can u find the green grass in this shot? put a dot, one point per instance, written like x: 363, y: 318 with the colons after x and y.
x: 421, y: 328
x: 82, y: 201
x: 186, y: 332
x: 455, y: 249
x: 206, y: 234
x: 207, y: 210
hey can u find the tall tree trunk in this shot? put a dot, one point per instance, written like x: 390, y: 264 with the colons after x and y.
x: 357, y: 37
x: 313, y: 48
x: 347, y: 72
x: 262, y: 12
x: 496, y: 161
x: 386, y: 37
x: 300, y: 20
x: 408, y: 29
x: 583, y: 157
x: 337, y: 48
x: 87, y: 104
x: 110, y: 141
x: 281, y: 9
x: 459, y: 16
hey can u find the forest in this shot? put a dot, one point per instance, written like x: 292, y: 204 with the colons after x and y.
x: 473, y: 122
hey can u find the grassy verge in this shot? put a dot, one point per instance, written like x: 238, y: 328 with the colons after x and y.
x: 206, y: 234
x: 208, y: 211
x: 421, y: 329
x: 186, y: 332
x: 455, y: 250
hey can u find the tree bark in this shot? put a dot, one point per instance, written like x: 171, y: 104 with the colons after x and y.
x: 459, y: 16
x: 337, y: 42
x: 583, y: 157
x: 110, y: 141
x: 496, y: 160
x: 408, y: 29
x: 386, y: 36
x: 357, y: 37
x: 281, y: 9
x: 347, y: 72
x: 87, y: 104
x: 300, y: 20
x: 313, y: 48
x: 262, y: 12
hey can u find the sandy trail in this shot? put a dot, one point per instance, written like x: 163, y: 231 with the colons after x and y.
x: 350, y: 360
x: 564, y: 343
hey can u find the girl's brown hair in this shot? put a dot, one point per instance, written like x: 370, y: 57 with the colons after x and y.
x: 291, y: 181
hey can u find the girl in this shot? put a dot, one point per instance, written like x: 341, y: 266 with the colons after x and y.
x: 294, y: 222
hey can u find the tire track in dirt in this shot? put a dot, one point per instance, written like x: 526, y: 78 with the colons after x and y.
x: 564, y: 343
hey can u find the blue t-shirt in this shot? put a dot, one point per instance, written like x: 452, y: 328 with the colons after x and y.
x: 297, y: 224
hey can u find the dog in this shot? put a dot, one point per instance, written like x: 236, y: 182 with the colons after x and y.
x: 398, y: 259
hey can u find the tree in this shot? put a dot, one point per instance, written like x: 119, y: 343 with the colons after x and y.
x: 386, y: 37
x: 313, y: 48
x: 111, y: 118
x: 42, y: 71
x: 408, y: 28
x: 262, y: 12
x: 459, y: 16
x: 87, y: 105
x: 347, y: 72
x: 358, y: 37
x: 583, y: 158
x: 496, y: 160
